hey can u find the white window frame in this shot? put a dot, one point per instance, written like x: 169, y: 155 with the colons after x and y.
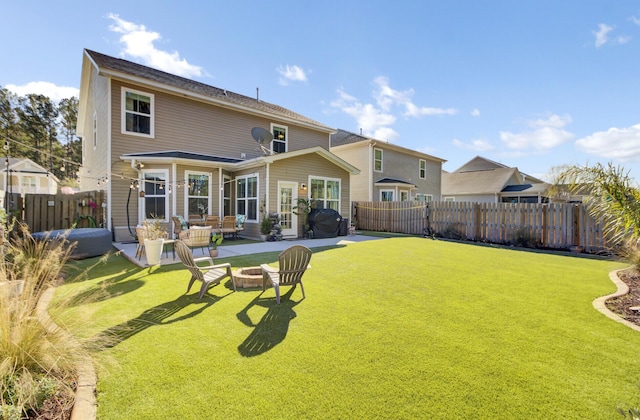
x: 164, y: 173
x: 325, y: 200
x: 375, y: 149
x: 424, y: 197
x: 227, y: 187
x: 123, y: 105
x: 404, y: 195
x: 449, y: 199
x: 284, y: 141
x: 28, y: 187
x: 422, y: 169
x: 387, y: 191
x: 186, y: 190
x: 248, y: 199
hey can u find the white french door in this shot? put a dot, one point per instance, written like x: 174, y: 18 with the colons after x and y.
x: 287, y: 198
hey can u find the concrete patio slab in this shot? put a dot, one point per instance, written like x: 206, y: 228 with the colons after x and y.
x: 227, y: 249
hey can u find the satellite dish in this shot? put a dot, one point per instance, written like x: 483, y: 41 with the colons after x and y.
x: 262, y: 136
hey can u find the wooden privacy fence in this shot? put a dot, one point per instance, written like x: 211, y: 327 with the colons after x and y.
x: 43, y: 212
x: 556, y: 225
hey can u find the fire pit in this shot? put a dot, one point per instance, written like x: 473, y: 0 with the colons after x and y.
x: 248, y: 277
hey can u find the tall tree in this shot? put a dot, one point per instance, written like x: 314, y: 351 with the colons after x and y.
x: 38, y: 118
x: 612, y: 198
x: 68, y: 109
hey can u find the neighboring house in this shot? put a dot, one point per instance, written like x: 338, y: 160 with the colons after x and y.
x: 388, y: 172
x: 162, y: 145
x: 485, y: 181
x: 26, y: 177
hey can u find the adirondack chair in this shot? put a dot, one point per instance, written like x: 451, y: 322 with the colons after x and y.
x: 293, y: 262
x: 209, y: 275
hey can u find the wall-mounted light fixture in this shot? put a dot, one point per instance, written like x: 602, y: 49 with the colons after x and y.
x: 139, y: 165
x: 303, y: 186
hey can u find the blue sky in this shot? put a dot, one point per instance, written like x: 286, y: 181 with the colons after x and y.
x: 531, y: 84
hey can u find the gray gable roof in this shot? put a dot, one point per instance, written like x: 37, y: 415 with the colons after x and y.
x: 106, y: 63
x: 345, y: 137
x: 175, y: 154
x: 476, y: 182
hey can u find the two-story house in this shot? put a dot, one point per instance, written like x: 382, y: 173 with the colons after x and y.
x: 162, y: 145
x: 388, y: 172
x: 485, y: 181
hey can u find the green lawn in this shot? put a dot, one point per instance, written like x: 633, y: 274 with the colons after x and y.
x: 393, y: 328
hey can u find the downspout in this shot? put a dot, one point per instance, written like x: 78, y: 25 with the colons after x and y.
x: 139, y: 172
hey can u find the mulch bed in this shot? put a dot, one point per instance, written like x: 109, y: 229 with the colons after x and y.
x: 622, y: 305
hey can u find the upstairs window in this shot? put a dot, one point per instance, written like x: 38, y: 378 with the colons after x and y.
x: 137, y: 113
x: 422, y: 172
x: 279, y: 143
x: 377, y: 160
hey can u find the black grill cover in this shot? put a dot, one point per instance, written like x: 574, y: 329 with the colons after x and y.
x: 325, y: 223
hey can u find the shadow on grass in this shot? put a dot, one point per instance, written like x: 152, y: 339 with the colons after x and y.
x: 272, y: 329
x: 157, y: 316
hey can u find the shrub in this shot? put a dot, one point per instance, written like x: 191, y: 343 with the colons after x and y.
x: 452, y: 231
x: 38, y: 359
x: 525, y: 238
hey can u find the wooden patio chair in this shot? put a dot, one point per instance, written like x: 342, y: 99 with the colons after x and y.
x: 229, y: 226
x: 198, y: 237
x: 293, y: 262
x: 179, y: 225
x: 214, y: 222
x: 141, y: 234
x: 209, y: 275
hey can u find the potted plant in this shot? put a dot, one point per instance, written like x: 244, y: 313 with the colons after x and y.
x: 265, y: 228
x: 153, y: 240
x: 304, y: 208
x: 215, y: 241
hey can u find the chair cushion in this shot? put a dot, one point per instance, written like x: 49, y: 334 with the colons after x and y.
x: 240, y: 218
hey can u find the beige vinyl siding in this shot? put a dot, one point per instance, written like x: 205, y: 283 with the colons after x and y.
x: 96, y: 160
x: 188, y: 125
x: 358, y: 157
x: 406, y: 167
x: 299, y: 169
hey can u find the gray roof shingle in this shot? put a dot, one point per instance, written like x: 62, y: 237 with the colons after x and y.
x: 106, y: 62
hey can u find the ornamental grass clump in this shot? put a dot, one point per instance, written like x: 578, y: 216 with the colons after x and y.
x: 36, y: 358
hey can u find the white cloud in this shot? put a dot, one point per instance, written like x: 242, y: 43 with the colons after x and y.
x: 635, y: 20
x: 139, y: 44
x: 602, y: 34
x: 376, y: 119
x: 55, y: 93
x: 291, y: 73
x: 371, y: 119
x: 387, y: 97
x: 475, y: 112
x: 477, y: 145
x: 615, y: 143
x: 544, y: 136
